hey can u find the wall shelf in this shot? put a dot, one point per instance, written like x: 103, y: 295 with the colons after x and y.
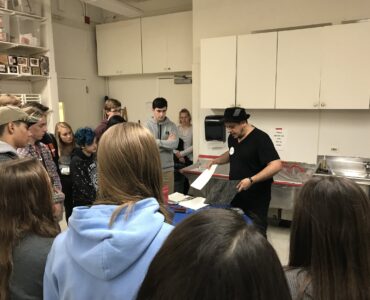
x: 19, y: 13
x: 4, y: 46
x: 6, y: 76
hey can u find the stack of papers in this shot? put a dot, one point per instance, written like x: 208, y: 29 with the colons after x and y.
x: 187, y: 201
x: 195, y: 203
x: 176, y: 197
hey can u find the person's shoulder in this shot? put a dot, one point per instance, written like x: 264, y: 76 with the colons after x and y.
x: 103, y: 122
x: 59, y: 243
x: 25, y: 151
x: 41, y: 145
x: 297, y: 279
x: 40, y: 240
x: 260, y: 133
x: 47, y: 139
x: 60, y: 238
x: 294, y: 272
x: 76, y: 155
x: 101, y: 126
x: 44, y: 149
x: 6, y: 156
x: 7, y: 152
x: 167, y: 228
x: 256, y: 130
x: 37, y: 243
x: 149, y: 122
x: 172, y: 124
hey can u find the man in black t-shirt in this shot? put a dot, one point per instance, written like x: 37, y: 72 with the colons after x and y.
x: 254, y: 161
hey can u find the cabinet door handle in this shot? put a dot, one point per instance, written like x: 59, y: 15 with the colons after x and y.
x: 169, y: 68
x: 323, y: 105
x: 315, y: 105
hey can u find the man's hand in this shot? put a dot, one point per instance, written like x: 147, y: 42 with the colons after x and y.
x: 244, y: 184
x: 210, y: 163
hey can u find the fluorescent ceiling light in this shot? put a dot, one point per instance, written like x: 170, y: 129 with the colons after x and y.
x: 117, y: 7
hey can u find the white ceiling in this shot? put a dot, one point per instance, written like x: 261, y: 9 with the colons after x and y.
x: 158, y: 7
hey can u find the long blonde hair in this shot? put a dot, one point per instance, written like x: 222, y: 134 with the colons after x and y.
x: 25, y: 207
x: 129, y: 168
x: 63, y: 148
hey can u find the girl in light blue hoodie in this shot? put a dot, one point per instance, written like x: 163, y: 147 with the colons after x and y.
x: 106, y: 251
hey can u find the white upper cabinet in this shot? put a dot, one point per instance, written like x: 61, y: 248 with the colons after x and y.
x: 314, y: 68
x: 298, y: 69
x: 217, y: 72
x: 167, y: 43
x: 119, y: 48
x: 345, y: 78
x: 256, y: 70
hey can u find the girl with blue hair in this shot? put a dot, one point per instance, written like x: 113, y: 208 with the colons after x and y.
x: 83, y: 168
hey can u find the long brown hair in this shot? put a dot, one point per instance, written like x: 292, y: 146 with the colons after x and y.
x: 63, y: 148
x: 330, y: 239
x: 25, y: 207
x: 129, y: 167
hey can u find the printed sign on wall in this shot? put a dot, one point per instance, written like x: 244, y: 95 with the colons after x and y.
x: 279, y: 138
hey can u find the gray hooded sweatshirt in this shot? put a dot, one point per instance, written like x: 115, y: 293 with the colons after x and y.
x: 161, y: 131
x: 7, y: 152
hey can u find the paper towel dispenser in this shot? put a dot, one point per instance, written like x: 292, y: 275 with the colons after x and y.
x: 215, y: 128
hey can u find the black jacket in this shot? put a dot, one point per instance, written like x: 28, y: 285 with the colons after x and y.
x: 84, y: 178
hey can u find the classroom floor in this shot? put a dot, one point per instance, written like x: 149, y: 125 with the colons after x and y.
x: 277, y: 236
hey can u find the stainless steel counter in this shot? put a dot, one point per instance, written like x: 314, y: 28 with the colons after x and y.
x: 290, y: 179
x: 286, y: 183
x: 354, y: 168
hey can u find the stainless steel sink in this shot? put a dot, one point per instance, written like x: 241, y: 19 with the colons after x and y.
x: 350, y: 167
x: 354, y: 168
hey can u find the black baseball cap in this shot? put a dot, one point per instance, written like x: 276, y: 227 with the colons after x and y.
x: 235, y: 115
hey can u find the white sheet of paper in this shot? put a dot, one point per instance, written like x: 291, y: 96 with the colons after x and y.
x: 203, y: 178
x: 195, y: 203
x: 176, y: 197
